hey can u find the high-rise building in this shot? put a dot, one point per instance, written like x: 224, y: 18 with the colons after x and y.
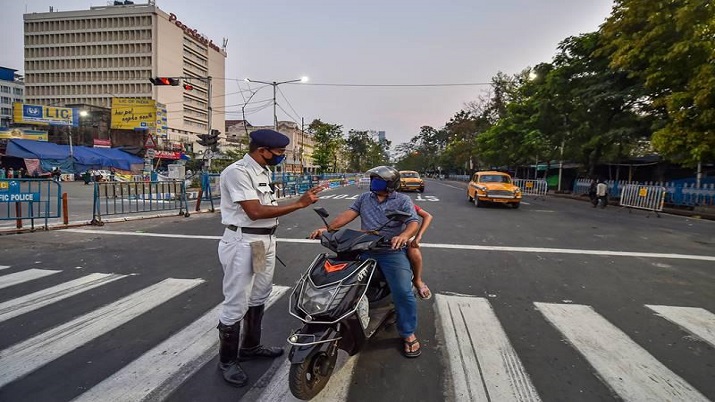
x: 11, y: 90
x: 91, y: 56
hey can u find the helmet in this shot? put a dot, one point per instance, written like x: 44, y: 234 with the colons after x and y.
x: 388, y: 174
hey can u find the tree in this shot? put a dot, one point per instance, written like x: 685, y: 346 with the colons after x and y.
x: 328, y: 140
x: 671, y: 53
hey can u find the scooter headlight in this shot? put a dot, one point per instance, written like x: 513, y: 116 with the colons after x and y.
x: 316, y: 301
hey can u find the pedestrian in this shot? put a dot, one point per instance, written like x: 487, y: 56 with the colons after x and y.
x: 415, y: 255
x: 602, y: 193
x: 247, y: 250
x: 2, y: 172
x: 592, y: 193
x: 10, y: 173
x: 370, y: 207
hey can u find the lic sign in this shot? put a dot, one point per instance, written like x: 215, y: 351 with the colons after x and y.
x: 10, y: 192
x: 39, y: 114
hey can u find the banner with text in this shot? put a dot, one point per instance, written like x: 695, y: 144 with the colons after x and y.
x: 134, y: 113
x: 40, y: 114
x: 22, y: 134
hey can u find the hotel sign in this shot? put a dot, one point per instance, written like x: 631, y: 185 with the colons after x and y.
x: 193, y: 33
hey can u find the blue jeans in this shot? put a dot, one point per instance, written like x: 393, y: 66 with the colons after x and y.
x: 397, y: 271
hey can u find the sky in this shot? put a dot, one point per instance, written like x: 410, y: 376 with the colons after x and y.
x: 367, y: 42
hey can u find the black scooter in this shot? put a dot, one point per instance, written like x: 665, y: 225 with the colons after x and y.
x: 342, y: 302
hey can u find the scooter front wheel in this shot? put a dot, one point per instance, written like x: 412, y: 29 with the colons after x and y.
x: 308, y: 378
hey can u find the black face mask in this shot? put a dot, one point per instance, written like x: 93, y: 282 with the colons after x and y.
x: 275, y: 159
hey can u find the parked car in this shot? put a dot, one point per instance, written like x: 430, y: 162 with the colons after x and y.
x: 493, y: 187
x: 411, y: 180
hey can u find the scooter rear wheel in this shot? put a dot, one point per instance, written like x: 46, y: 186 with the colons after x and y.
x: 308, y: 378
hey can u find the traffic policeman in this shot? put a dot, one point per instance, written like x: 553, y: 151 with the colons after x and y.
x: 247, y: 249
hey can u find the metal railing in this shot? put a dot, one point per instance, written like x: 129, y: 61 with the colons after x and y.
x: 33, y: 199
x: 678, y: 194
x: 122, y: 198
x: 650, y: 198
x: 285, y: 185
x: 536, y: 188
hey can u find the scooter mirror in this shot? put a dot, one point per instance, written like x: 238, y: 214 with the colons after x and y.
x: 322, y: 212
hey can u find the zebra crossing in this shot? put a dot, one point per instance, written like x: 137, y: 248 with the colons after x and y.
x: 481, y: 363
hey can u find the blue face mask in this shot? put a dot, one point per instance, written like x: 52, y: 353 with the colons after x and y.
x: 377, y: 184
x: 275, y: 159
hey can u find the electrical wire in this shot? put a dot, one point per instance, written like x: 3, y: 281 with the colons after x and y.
x: 289, y: 105
x: 465, y: 84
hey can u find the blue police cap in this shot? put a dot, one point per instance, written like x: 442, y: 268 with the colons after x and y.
x: 269, y: 138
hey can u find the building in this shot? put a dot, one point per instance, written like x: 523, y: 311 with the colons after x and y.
x: 299, y: 153
x: 92, y: 56
x: 12, y: 89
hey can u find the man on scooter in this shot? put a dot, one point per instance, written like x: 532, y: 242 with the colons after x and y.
x: 395, y: 266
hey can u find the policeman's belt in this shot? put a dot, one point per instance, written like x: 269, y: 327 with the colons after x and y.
x: 254, y: 231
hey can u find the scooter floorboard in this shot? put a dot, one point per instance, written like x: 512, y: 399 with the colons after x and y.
x: 378, y: 316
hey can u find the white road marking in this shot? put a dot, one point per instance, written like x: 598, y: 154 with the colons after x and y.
x: 24, y: 276
x: 437, y: 245
x: 482, y: 362
x: 633, y: 373
x: 449, y: 185
x: 26, y: 357
x: 336, y: 390
x: 4, y: 267
x: 158, y: 372
x: 21, y: 305
x: 697, y: 321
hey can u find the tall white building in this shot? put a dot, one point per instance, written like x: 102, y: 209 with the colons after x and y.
x: 92, y: 56
x: 11, y: 90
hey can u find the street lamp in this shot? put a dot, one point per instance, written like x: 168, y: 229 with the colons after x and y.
x: 275, y: 85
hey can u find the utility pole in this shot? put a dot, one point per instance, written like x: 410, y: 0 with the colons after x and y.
x: 302, y: 144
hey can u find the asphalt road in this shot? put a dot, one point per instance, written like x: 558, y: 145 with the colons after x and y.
x: 554, y: 301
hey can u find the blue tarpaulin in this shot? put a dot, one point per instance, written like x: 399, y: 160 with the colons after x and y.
x: 83, y: 157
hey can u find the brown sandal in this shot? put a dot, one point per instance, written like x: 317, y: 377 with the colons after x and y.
x: 407, y: 349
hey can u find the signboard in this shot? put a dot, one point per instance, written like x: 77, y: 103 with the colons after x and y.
x: 150, y: 153
x: 132, y: 113
x: 10, y: 192
x: 39, y: 114
x: 22, y: 134
x: 102, y: 143
x: 161, y: 122
x: 149, y: 143
x: 168, y: 155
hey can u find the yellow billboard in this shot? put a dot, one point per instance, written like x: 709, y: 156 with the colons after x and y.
x: 132, y: 113
x: 40, y: 114
x: 22, y: 134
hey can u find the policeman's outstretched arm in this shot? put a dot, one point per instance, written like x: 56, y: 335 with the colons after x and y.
x: 255, y: 210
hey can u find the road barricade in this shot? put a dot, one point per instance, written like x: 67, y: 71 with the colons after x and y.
x: 22, y: 199
x: 536, y: 188
x: 123, y: 198
x: 363, y: 182
x: 650, y: 198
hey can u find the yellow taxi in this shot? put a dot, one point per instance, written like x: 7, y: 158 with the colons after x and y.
x: 494, y: 187
x: 411, y: 180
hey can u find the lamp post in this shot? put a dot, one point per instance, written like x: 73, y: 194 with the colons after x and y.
x: 275, y: 85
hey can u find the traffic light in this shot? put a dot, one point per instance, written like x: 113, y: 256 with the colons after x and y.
x: 209, y: 140
x: 165, y: 81
x: 188, y: 87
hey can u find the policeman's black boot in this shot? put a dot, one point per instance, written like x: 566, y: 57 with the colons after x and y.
x: 252, y: 348
x: 228, y: 336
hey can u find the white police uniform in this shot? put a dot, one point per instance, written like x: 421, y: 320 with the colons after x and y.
x: 242, y: 288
